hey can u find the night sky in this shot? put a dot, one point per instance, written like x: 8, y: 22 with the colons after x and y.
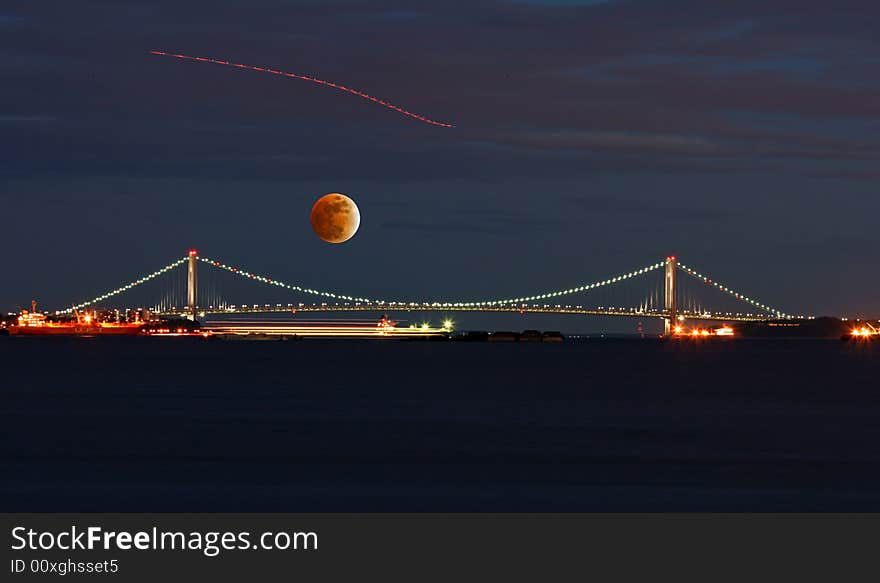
x: 591, y: 138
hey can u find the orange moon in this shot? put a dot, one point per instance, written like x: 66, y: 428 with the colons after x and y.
x: 335, y: 218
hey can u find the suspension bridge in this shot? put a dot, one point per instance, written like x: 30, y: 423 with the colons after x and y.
x: 195, y: 286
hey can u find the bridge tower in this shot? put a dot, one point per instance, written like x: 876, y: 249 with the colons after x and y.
x: 192, y: 285
x: 671, y: 311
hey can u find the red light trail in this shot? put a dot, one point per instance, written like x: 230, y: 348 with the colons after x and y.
x: 315, y: 80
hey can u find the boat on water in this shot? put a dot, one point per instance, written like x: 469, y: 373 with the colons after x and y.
x: 862, y: 333
x: 680, y: 332
x: 34, y: 323
x: 385, y: 328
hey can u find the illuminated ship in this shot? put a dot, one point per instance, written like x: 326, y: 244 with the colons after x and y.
x: 863, y: 332
x: 723, y: 331
x: 278, y: 330
x: 33, y: 323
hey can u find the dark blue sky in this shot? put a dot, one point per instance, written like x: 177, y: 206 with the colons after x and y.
x: 591, y: 138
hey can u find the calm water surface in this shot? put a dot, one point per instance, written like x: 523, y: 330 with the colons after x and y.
x: 185, y: 424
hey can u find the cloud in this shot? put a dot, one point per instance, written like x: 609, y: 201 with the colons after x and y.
x: 563, y: 3
x: 666, y: 210
x: 562, y: 139
x: 24, y: 119
x: 10, y: 20
x: 483, y: 221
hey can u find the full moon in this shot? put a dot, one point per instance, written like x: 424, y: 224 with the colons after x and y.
x: 335, y: 218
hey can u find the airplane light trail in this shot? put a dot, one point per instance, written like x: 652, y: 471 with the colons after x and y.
x: 315, y: 80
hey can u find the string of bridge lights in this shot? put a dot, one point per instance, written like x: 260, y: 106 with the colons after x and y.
x: 578, y: 289
x: 586, y: 287
x: 124, y: 288
x: 473, y: 304
x: 275, y: 282
x: 710, y: 282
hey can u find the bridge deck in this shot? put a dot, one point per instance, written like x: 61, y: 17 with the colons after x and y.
x: 523, y: 309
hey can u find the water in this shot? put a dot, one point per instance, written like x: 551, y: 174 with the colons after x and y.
x: 190, y: 425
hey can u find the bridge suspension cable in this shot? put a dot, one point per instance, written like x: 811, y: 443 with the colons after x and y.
x: 723, y: 288
x: 508, y: 303
x: 124, y: 288
x: 268, y: 280
x: 552, y: 294
x: 578, y: 289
